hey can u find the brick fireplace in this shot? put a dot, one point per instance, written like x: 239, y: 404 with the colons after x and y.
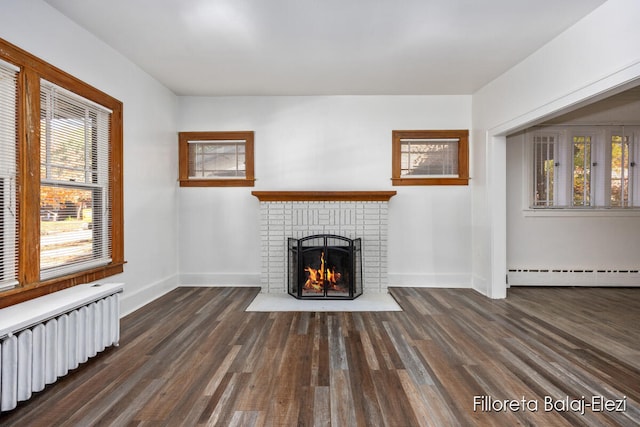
x: 299, y: 214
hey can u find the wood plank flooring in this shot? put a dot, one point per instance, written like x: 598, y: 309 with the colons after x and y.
x: 194, y: 357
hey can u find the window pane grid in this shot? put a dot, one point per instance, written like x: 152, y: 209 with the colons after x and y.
x: 208, y: 159
x: 544, y: 168
x: 582, y: 171
x: 429, y: 157
x: 620, y: 168
x: 586, y: 167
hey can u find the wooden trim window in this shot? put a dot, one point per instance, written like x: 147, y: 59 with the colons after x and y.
x: 216, y: 159
x: 430, y: 157
x: 61, y: 209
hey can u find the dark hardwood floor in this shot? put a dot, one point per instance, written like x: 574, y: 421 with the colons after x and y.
x: 194, y: 357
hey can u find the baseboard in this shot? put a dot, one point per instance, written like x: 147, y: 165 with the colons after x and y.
x: 479, y: 284
x: 542, y: 277
x: 453, y: 280
x: 130, y: 302
x: 219, y: 279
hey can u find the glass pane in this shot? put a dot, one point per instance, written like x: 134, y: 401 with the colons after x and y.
x: 429, y: 158
x: 544, y: 165
x: 582, y: 171
x: 66, y: 234
x: 68, y: 138
x: 216, y: 160
x: 619, y: 171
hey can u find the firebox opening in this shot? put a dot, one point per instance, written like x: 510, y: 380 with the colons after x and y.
x: 325, y: 266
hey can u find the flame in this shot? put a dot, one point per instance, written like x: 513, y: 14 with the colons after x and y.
x: 318, y: 278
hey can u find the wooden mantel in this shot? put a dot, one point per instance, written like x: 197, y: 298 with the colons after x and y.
x: 324, y: 196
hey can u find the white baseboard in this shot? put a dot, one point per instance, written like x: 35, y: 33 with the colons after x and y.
x: 479, y: 284
x: 533, y: 277
x: 453, y: 280
x: 133, y: 300
x: 219, y: 279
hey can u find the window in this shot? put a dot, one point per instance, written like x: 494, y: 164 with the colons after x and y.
x: 74, y: 182
x: 430, y: 157
x: 582, y: 170
x: 590, y: 167
x: 216, y: 159
x: 621, y: 166
x: 544, y: 155
x: 60, y: 179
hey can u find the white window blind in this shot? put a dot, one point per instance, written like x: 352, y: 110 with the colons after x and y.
x: 8, y: 175
x: 429, y: 157
x: 217, y: 159
x: 75, y: 214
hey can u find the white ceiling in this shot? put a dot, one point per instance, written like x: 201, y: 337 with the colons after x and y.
x: 309, y: 47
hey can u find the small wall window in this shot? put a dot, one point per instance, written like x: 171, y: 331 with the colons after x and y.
x: 216, y: 159
x: 430, y: 157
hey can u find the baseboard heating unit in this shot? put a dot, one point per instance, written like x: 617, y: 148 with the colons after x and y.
x: 44, y: 338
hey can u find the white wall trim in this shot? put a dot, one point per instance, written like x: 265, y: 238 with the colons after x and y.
x: 221, y: 279
x: 132, y: 301
x: 479, y: 284
x: 574, y: 278
x: 420, y: 280
x: 603, y: 87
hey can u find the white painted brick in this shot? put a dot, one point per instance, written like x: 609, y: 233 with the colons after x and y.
x: 280, y: 220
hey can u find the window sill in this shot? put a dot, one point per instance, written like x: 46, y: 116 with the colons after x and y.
x: 234, y: 182
x: 24, y: 293
x: 430, y: 181
x: 585, y: 212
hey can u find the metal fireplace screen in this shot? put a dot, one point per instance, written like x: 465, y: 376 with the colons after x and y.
x: 325, y: 267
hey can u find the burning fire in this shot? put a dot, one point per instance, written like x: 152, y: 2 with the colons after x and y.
x: 317, y: 279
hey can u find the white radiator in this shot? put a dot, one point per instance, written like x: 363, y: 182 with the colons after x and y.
x: 42, y: 339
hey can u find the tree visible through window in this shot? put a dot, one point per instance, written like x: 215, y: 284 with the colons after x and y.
x: 544, y: 148
x: 620, y: 167
x: 585, y: 167
x: 581, y: 171
x: 74, y: 189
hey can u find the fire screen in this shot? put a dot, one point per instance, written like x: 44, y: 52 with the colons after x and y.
x: 325, y: 266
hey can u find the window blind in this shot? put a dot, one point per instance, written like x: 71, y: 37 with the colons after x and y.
x: 75, y: 214
x: 223, y: 158
x: 8, y: 175
x: 436, y: 157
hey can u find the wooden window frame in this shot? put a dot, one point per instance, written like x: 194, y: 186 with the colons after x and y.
x: 463, y: 157
x: 183, y: 147
x: 32, y: 69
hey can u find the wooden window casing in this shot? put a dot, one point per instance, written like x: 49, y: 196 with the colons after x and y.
x: 460, y: 178
x: 32, y: 70
x: 185, y: 174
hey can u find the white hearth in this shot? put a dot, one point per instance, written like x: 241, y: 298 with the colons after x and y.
x: 354, y: 214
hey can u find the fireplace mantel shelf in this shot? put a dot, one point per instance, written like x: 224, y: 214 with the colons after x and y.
x: 324, y: 196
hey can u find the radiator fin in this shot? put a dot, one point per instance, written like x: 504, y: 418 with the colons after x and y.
x: 42, y: 353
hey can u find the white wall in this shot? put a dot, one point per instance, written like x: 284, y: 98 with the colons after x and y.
x: 150, y: 147
x: 325, y: 143
x: 553, y: 79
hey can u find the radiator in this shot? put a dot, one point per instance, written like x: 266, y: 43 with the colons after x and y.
x: 43, y: 339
